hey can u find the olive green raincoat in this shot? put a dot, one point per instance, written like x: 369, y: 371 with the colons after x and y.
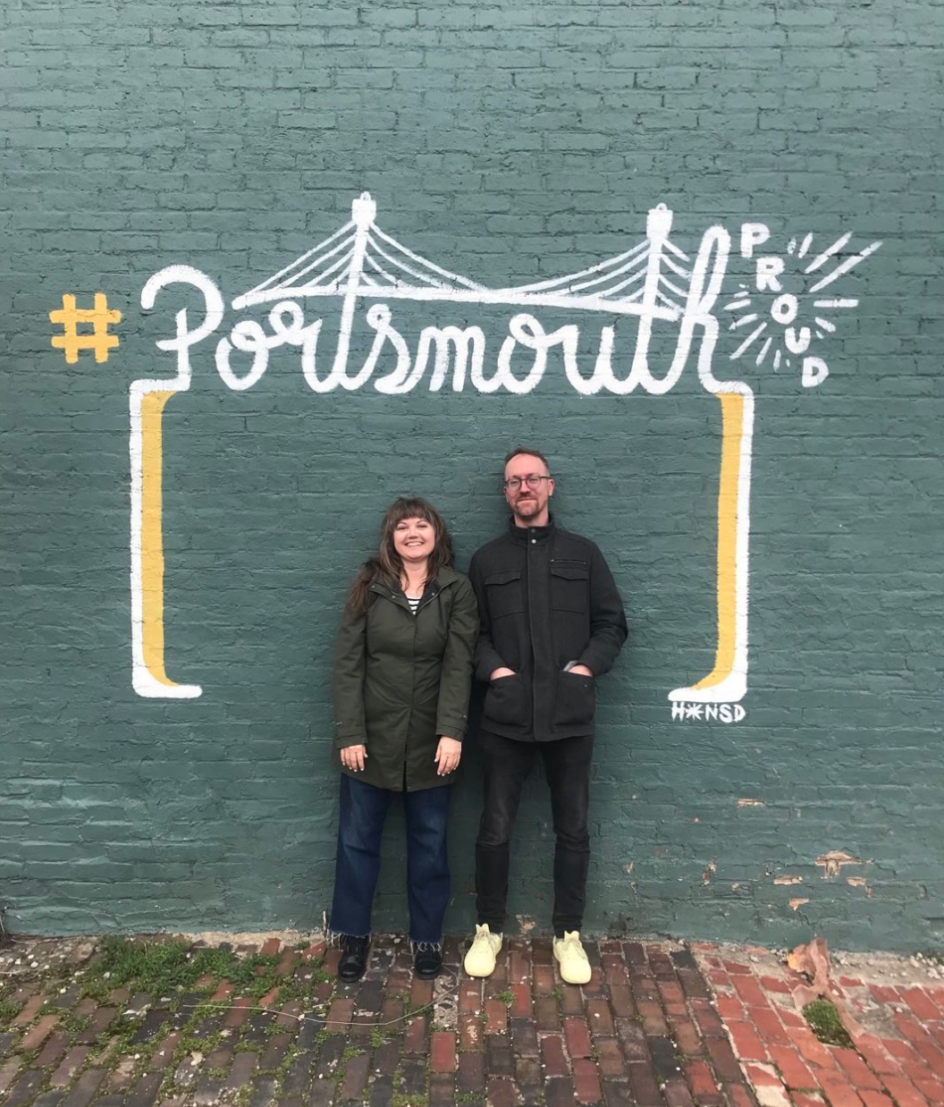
x: 401, y: 681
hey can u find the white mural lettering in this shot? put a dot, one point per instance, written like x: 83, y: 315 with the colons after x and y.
x: 653, y: 284
x: 708, y: 712
x: 781, y: 329
x: 753, y: 234
x: 815, y: 371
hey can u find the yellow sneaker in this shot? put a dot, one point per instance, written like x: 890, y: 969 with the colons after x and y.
x: 480, y: 960
x: 569, y: 954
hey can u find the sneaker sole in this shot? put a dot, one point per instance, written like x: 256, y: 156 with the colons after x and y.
x: 576, y: 983
x: 478, y: 975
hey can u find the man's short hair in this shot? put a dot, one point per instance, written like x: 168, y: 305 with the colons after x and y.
x: 530, y: 452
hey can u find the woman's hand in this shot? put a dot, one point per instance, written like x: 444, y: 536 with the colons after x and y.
x: 353, y: 757
x: 448, y: 753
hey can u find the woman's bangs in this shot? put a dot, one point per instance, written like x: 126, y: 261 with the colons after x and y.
x: 411, y: 509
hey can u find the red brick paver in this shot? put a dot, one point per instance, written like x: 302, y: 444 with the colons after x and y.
x: 638, y: 1033
x: 659, y: 1025
x: 900, y: 1064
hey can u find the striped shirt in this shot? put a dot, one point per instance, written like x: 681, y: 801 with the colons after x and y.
x: 414, y: 602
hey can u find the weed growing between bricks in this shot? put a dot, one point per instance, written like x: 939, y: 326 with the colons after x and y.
x: 169, y: 968
x: 642, y: 1031
x: 147, y: 1007
x: 826, y: 1024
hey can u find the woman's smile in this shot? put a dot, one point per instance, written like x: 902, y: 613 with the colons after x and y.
x: 414, y: 538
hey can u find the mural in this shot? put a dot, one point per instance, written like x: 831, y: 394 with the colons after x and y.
x: 100, y: 318
x: 653, y: 283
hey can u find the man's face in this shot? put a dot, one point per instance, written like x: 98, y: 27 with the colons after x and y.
x: 528, y: 500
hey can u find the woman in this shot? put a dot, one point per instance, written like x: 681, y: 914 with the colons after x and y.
x: 403, y: 667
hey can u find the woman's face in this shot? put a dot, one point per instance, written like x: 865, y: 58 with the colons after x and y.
x: 414, y: 539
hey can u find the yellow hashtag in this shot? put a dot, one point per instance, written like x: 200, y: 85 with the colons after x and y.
x: 99, y: 341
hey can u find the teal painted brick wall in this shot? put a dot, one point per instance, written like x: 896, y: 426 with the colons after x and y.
x: 511, y: 143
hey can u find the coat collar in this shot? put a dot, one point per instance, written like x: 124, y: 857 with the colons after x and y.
x: 524, y: 535
x: 444, y: 578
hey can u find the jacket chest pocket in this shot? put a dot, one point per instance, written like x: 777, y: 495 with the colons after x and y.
x: 570, y: 585
x: 504, y: 593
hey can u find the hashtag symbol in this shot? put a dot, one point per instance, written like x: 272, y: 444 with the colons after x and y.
x: 99, y: 341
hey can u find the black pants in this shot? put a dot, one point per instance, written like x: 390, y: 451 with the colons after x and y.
x: 507, y: 764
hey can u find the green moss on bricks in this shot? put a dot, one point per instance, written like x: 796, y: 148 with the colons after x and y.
x: 826, y: 1024
x: 167, y: 968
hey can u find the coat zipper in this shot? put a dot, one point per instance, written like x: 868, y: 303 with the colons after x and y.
x: 534, y: 704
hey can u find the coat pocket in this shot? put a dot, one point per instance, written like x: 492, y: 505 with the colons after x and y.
x: 505, y: 701
x: 570, y: 585
x: 576, y: 699
x: 504, y: 594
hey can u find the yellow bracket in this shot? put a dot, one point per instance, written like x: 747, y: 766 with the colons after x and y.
x: 727, y: 681
x: 147, y: 548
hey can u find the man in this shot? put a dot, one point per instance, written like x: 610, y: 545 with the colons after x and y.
x: 552, y: 622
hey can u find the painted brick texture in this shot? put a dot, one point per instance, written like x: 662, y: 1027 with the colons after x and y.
x: 510, y: 143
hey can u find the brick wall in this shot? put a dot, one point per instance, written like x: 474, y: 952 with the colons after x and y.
x: 510, y: 143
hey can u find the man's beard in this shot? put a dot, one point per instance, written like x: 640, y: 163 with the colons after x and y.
x: 526, y: 508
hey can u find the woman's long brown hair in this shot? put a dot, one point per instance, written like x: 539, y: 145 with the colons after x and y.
x: 387, y: 566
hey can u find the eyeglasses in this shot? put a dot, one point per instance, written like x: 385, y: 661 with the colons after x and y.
x: 533, y: 480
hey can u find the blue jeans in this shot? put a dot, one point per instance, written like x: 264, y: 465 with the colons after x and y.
x: 361, y: 818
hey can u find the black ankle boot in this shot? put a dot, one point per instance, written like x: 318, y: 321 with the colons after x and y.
x: 427, y: 963
x: 353, y: 963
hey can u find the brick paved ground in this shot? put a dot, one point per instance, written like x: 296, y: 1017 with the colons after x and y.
x: 646, y: 1031
x: 894, y: 1010
x: 643, y: 1031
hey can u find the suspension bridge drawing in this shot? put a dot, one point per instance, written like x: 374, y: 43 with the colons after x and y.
x: 361, y: 261
x: 653, y: 284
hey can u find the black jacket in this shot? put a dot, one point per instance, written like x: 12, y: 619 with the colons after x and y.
x: 546, y: 597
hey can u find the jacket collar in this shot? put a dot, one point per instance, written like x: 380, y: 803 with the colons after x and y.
x: 444, y: 578
x: 524, y: 535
